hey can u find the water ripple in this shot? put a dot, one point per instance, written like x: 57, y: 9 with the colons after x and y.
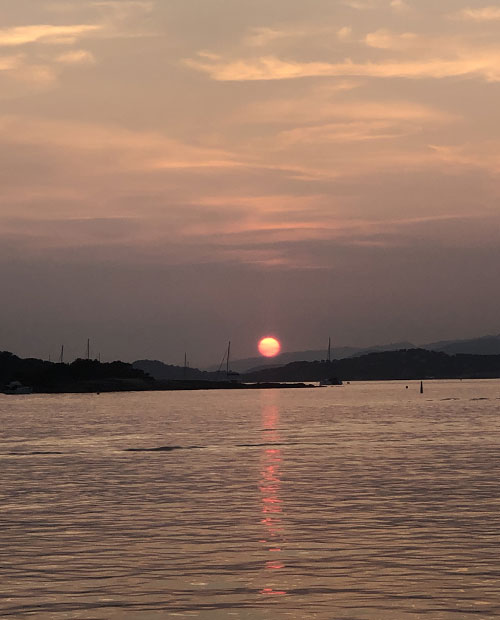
x: 368, y: 503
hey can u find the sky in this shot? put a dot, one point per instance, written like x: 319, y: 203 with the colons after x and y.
x: 180, y: 173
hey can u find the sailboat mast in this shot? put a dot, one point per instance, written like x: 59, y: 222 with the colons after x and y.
x: 88, y: 348
x: 61, y: 357
x: 227, y: 360
x: 329, y: 350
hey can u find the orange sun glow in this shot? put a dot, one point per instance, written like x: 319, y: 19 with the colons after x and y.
x: 269, y: 347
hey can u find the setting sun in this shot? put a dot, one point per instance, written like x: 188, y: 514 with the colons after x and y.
x: 269, y: 347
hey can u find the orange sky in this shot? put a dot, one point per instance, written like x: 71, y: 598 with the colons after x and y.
x: 177, y: 174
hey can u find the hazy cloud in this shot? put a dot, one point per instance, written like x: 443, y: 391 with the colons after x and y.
x: 7, y: 63
x: 344, y: 33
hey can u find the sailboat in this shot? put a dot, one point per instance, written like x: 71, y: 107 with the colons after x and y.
x: 231, y: 375
x: 331, y: 380
x: 16, y: 387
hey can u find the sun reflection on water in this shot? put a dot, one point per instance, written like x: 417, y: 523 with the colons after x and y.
x: 270, y: 489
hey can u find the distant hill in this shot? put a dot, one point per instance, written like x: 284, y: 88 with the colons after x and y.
x: 486, y: 345
x: 408, y: 364
x: 256, y: 363
x: 167, y: 372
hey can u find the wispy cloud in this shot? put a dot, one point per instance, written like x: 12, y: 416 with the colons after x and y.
x: 133, y: 149
x: 365, y: 5
x: 344, y: 33
x: 17, y: 69
x: 478, y: 63
x: 121, y: 7
x: 38, y: 61
x: 76, y: 57
x: 348, y: 132
x: 261, y: 37
x: 359, y: 5
x: 45, y: 33
x: 292, y: 34
x: 7, y: 63
x: 399, y: 5
x: 384, y: 39
x: 143, y: 5
x: 300, y: 110
x: 484, y: 14
x: 482, y: 155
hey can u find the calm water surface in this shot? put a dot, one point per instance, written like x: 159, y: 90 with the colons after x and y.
x: 363, y: 501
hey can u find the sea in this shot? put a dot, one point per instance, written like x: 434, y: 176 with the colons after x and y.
x: 368, y: 500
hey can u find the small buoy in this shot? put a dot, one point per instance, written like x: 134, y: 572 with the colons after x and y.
x: 406, y: 387
x: 421, y: 387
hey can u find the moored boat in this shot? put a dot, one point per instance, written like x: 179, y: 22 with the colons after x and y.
x: 16, y: 387
x: 331, y: 381
x: 231, y: 375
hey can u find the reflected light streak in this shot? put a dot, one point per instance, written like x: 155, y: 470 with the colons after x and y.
x: 270, y: 486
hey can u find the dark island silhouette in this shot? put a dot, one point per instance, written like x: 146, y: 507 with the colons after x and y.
x: 407, y: 364
x: 82, y: 375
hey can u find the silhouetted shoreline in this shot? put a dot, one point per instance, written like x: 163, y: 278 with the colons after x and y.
x: 91, y: 387
x: 87, y: 376
x: 91, y: 376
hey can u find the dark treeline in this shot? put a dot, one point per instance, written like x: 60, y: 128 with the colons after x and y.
x: 391, y: 365
x: 47, y: 376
